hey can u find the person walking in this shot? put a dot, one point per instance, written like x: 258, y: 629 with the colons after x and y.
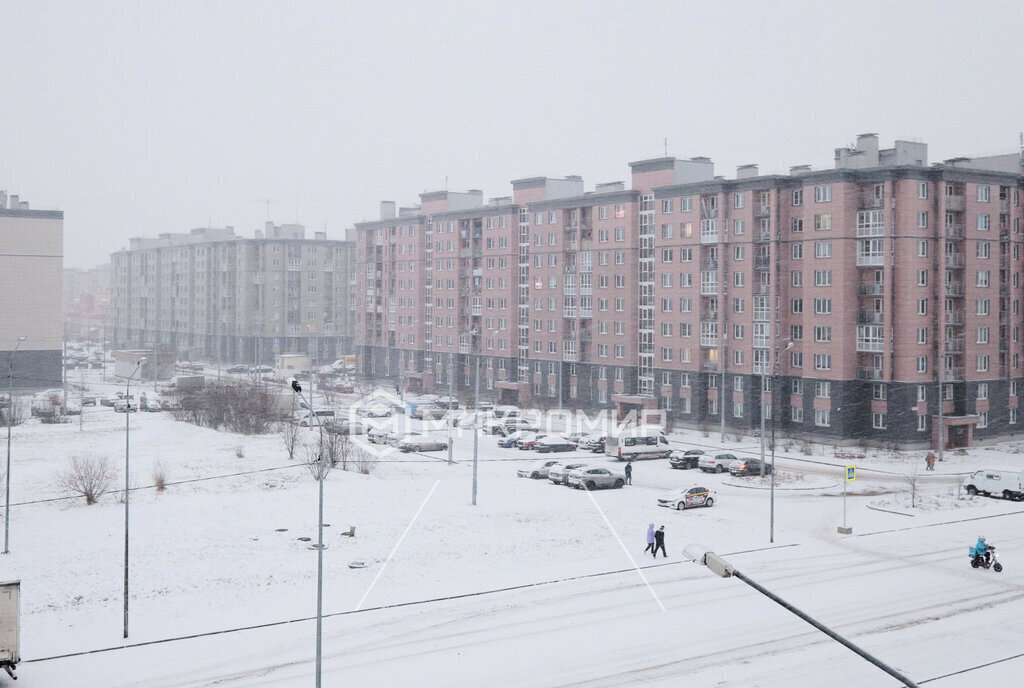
x: 650, y: 539
x: 629, y: 472
x: 659, y: 542
x: 930, y: 461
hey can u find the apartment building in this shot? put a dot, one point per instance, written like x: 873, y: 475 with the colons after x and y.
x: 31, y: 264
x: 841, y: 303
x: 211, y: 295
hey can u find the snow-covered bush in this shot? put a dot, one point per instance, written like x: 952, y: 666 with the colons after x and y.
x: 89, y: 477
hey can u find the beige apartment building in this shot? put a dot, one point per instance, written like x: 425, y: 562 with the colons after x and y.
x: 31, y: 264
x: 212, y: 295
x: 843, y: 302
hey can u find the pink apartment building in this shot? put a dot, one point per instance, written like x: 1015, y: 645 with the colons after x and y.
x: 843, y: 302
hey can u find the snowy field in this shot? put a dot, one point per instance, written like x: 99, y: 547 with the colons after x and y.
x: 536, y: 585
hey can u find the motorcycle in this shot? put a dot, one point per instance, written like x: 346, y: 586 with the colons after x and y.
x: 985, y: 559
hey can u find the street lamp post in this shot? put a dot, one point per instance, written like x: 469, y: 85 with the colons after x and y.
x: 719, y: 566
x: 476, y: 419
x: 10, y: 419
x: 775, y: 372
x: 127, y: 437
x: 451, y: 373
x: 321, y: 473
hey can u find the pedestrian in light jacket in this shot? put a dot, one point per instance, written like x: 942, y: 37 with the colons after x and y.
x: 650, y: 539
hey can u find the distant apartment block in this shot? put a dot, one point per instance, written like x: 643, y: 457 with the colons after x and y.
x: 87, y: 303
x: 211, y: 295
x: 31, y: 263
x: 848, y: 302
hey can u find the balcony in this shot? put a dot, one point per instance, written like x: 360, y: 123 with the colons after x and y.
x: 569, y: 312
x: 762, y: 209
x: 762, y: 235
x: 476, y: 310
x: 870, y: 346
x: 954, y: 345
x: 1004, y: 290
x: 869, y: 373
x: 586, y: 312
x: 867, y: 260
x: 870, y: 203
x: 1004, y: 371
x: 953, y: 375
x: 761, y: 289
x: 955, y: 204
x: 955, y: 289
x: 954, y: 317
x: 870, y: 317
x: 1004, y: 206
x: 1004, y: 261
x: 955, y: 231
x: 873, y: 289
x: 709, y: 264
x: 955, y: 261
x: 762, y: 262
x: 709, y: 365
x: 569, y: 290
x: 709, y: 289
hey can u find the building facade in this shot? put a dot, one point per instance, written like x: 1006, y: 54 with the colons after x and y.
x: 843, y: 302
x: 31, y: 264
x: 212, y: 295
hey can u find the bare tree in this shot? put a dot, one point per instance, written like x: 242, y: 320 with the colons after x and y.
x: 317, y: 462
x: 13, y: 412
x: 912, y: 479
x: 290, y: 435
x: 338, y: 450
x: 88, y: 477
x: 364, y: 461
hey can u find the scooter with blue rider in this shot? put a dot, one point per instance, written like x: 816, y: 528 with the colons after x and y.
x: 983, y: 555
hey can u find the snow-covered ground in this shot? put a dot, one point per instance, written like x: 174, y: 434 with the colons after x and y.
x: 536, y: 585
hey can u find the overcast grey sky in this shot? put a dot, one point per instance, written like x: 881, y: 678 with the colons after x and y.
x: 137, y: 118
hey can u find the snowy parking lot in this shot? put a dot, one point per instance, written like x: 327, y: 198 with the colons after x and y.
x: 536, y: 585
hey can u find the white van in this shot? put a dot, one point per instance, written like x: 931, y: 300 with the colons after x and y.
x: 996, y: 482
x: 644, y: 442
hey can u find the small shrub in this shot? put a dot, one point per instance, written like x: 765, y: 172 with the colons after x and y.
x: 89, y: 477
x: 290, y: 436
x: 807, y: 447
x: 160, y: 476
x: 365, y: 462
x: 240, y: 452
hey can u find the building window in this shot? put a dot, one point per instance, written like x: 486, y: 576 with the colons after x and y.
x: 1012, y: 417
x: 796, y: 278
x: 666, y: 205
x: 796, y: 359
x: 922, y: 248
x: 823, y: 194
x: 822, y: 249
x: 796, y: 225
x: 878, y: 391
x: 982, y: 390
x: 878, y: 421
x: 922, y: 335
x: 982, y: 420
x: 983, y: 194
x: 796, y: 413
x: 798, y: 196
x: 797, y: 251
x: 922, y: 189
x: 922, y: 219
x: 981, y: 361
x: 984, y: 222
x: 738, y: 200
x: 922, y: 422
x: 823, y: 361
x: 822, y: 418
x: 823, y: 306
x: 922, y: 306
x: 922, y: 364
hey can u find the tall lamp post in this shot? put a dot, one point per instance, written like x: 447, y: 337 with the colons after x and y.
x: 775, y: 373
x: 127, y: 437
x: 451, y: 394
x: 476, y: 418
x: 321, y: 473
x: 702, y: 555
x: 10, y: 419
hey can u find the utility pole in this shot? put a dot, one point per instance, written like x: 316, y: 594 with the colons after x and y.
x: 450, y: 415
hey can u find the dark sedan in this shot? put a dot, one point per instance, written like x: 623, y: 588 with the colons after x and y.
x: 749, y: 467
x: 553, y: 444
x: 685, y: 459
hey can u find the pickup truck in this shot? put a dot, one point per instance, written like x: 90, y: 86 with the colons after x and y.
x: 719, y: 463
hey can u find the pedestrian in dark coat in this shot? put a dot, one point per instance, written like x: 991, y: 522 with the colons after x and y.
x: 659, y: 542
x: 650, y: 539
x: 629, y: 472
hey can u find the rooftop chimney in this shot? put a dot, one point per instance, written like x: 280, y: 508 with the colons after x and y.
x: 746, y: 171
x: 387, y: 210
x: 799, y: 169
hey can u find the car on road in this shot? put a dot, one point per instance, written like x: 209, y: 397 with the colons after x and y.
x: 345, y: 427
x: 541, y: 469
x: 684, y: 499
x: 559, y: 473
x: 719, y: 463
x: 593, y: 443
x: 685, y: 459
x: 377, y: 435
x: 447, y: 403
x: 150, y: 405
x: 237, y: 369
x: 428, y: 412
x: 749, y: 467
x: 262, y: 370
x: 419, y: 443
x: 553, y: 443
x: 595, y: 477
x: 306, y: 419
x: 504, y: 426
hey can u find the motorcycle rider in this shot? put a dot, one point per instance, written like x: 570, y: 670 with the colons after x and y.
x: 981, y: 549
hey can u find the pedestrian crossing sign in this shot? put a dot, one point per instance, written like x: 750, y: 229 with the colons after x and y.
x: 851, y: 473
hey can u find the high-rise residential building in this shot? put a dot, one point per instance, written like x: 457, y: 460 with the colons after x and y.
x: 87, y: 303
x: 841, y: 303
x: 31, y: 264
x: 210, y: 294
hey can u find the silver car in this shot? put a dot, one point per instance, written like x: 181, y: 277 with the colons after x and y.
x: 594, y: 477
x: 418, y: 443
x: 541, y: 469
x: 559, y: 473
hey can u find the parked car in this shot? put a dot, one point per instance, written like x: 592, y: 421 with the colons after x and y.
x: 594, y: 477
x: 428, y: 412
x: 685, y: 459
x: 541, y: 469
x: 89, y: 400
x: 553, y: 443
x: 447, y: 403
x: 344, y: 388
x: 262, y: 370
x: 237, y: 369
x: 719, y: 463
x: 749, y: 467
x: 70, y: 408
x: 123, y: 406
x: 527, y: 441
x: 684, y: 499
x: 150, y: 405
x: 345, y: 427
x: 593, y: 443
x: 306, y: 419
x: 418, y: 443
x: 510, y: 441
x: 377, y: 435
x: 559, y: 473
x: 375, y: 411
